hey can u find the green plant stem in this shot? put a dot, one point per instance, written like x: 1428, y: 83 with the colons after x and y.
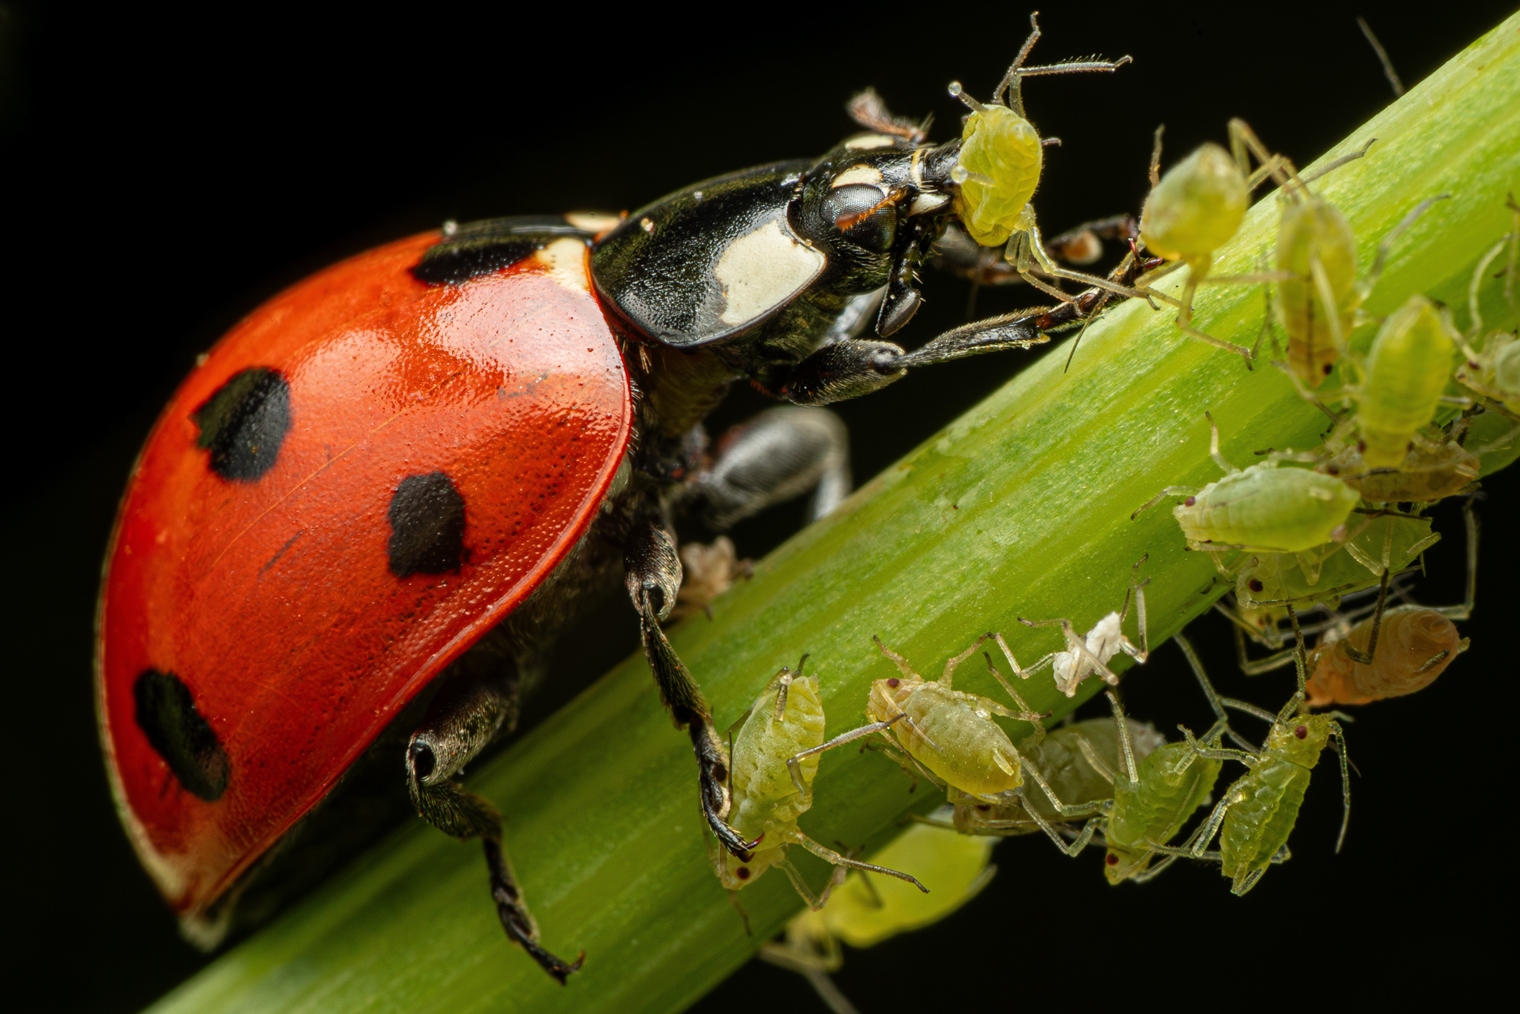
x: 1019, y: 508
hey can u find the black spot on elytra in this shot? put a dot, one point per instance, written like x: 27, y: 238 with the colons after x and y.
x: 167, y: 715
x: 427, y: 526
x: 244, y: 423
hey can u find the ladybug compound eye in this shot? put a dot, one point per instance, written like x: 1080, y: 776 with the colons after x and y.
x: 423, y: 760
x: 864, y: 214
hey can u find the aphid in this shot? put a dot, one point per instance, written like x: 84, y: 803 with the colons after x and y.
x: 950, y: 734
x: 1402, y: 380
x: 709, y: 570
x: 1090, y: 656
x: 862, y: 911
x: 1155, y: 794
x: 1431, y: 470
x: 1263, y: 508
x: 1258, y: 811
x: 1319, y: 295
x: 1494, y: 372
x: 1076, y: 760
x: 999, y: 168
x: 771, y: 782
x: 1392, y: 653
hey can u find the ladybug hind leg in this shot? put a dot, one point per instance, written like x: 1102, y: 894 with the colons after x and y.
x: 777, y: 455
x: 469, y: 712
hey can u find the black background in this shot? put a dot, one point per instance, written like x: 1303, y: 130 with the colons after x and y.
x: 163, y: 175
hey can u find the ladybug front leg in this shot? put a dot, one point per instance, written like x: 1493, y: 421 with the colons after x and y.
x: 465, y: 716
x: 653, y: 575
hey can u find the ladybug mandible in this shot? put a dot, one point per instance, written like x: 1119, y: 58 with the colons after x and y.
x: 354, y: 529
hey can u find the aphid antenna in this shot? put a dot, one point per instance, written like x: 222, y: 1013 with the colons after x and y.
x: 1340, y: 737
x: 1474, y: 314
x: 1219, y: 459
x: 1382, y: 55
x: 829, y: 855
x: 1097, y: 763
x: 1126, y: 747
x: 1216, y: 703
x: 1365, y: 285
x: 1330, y: 167
x: 1155, y: 168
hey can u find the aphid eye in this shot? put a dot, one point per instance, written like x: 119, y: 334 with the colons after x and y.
x: 1361, y: 445
x: 742, y: 873
x: 1326, y: 369
x: 1190, y: 501
x: 894, y: 682
x: 1333, y: 470
x: 1301, y: 732
x: 1255, y: 585
x: 1112, y: 859
x: 983, y: 807
x: 863, y: 214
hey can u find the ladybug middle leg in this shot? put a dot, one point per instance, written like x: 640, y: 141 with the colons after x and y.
x: 468, y: 713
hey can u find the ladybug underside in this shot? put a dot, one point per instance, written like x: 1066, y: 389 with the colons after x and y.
x: 360, y: 521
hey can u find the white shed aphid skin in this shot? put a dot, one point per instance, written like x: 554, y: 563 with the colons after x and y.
x: 1262, y: 508
x: 1090, y: 655
x: 862, y: 911
x: 770, y: 790
x: 999, y: 168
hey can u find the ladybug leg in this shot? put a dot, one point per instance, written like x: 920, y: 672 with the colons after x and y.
x: 777, y: 455
x: 652, y: 576
x: 465, y: 716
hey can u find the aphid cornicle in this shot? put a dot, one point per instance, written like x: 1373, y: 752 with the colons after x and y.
x: 1258, y: 811
x: 862, y: 911
x: 770, y: 792
x: 999, y: 168
x: 1090, y: 655
x: 1264, y: 507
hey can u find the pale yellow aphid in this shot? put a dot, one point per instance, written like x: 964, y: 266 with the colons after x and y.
x: 999, y: 167
x: 1090, y: 655
x: 862, y: 911
x: 1197, y: 207
x: 771, y: 784
x: 950, y: 735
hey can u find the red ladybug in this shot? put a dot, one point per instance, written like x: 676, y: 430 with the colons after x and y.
x: 373, y: 502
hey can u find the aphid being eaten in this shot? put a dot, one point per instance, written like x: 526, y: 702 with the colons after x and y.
x: 999, y: 167
x: 771, y: 784
x: 1090, y: 656
x: 1263, y: 508
x: 862, y: 911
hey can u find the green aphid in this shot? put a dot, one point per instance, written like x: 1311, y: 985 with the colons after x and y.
x: 769, y: 794
x: 1155, y: 795
x: 1494, y: 372
x: 1258, y: 812
x: 1262, y: 509
x: 1078, y: 762
x: 1403, y: 378
x: 999, y: 166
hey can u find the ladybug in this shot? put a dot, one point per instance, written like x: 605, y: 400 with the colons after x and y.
x: 352, y: 533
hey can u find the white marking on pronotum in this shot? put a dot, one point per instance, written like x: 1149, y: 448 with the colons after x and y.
x: 593, y: 221
x: 763, y: 269
x: 566, y: 262
x: 927, y: 202
x: 865, y: 141
x: 646, y: 225
x: 857, y: 174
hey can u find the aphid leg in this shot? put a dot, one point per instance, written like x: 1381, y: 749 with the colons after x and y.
x: 1049, y: 266
x: 1077, y: 844
x: 1197, y: 271
x: 1340, y: 738
x: 1095, y: 762
x: 1025, y: 713
x: 1365, y: 285
x: 1219, y: 459
x: 1246, y: 757
x: 897, y: 660
x: 1243, y: 140
x: 829, y: 855
x: 1065, y: 809
x: 836, y: 879
x: 1464, y: 611
x: 1168, y: 491
x: 1121, y: 733
x: 801, y: 885
x: 1474, y: 312
x: 1154, y: 171
x: 795, y: 768
x: 1366, y: 657
x: 947, y: 677
x: 1019, y: 671
x: 1332, y: 166
x: 1143, y: 652
x: 1216, y: 703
